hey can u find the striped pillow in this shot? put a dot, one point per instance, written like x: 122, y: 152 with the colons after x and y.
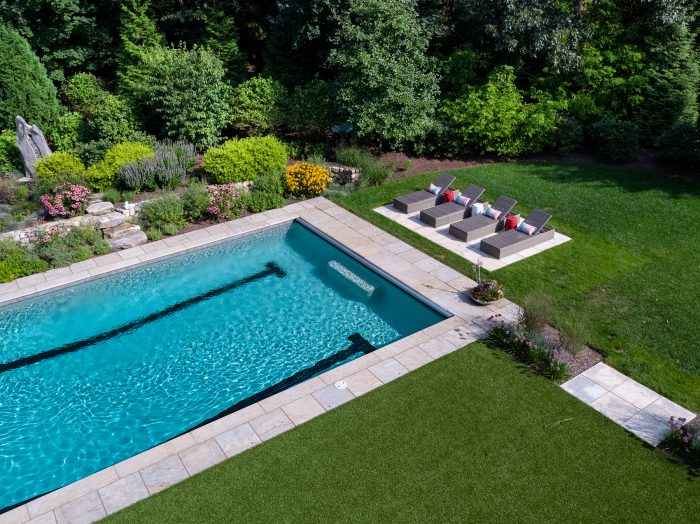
x: 492, y: 213
x: 462, y: 200
x: 526, y: 228
x: 434, y: 189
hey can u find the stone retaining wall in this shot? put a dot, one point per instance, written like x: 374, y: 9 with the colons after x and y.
x: 343, y: 174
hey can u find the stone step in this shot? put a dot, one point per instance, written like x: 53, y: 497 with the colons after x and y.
x: 110, y: 220
x: 100, y: 208
x: 134, y: 239
x: 120, y: 230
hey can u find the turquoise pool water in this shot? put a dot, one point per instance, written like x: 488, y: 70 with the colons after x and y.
x: 98, y: 372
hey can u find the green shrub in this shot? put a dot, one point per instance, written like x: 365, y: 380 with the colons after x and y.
x: 373, y: 172
x: 568, y: 136
x: 572, y: 337
x: 25, y: 88
x: 78, y: 244
x: 271, y: 182
x: 260, y: 201
x: 255, y: 106
x: 17, y: 261
x: 10, y: 159
x: 93, y: 152
x: 311, y: 108
x: 107, y: 116
x: 59, y: 167
x: 8, y: 191
x: 165, y: 213
x: 617, y: 140
x: 245, y: 159
x: 494, y: 118
x: 104, y: 174
x: 180, y: 92
x: 68, y: 131
x: 681, y: 143
x: 195, y: 200
x: 536, y: 313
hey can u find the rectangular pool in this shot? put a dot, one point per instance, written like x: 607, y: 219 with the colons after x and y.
x: 98, y: 372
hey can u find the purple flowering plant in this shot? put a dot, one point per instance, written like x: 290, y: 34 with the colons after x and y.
x: 225, y: 201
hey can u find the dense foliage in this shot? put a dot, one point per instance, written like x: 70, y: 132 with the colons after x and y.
x: 244, y: 159
x: 25, y: 88
x: 504, y: 77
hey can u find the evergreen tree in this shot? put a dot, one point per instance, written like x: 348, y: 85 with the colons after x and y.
x: 25, y: 88
x: 221, y: 36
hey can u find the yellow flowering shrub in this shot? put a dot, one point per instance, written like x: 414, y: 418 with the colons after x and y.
x: 305, y: 179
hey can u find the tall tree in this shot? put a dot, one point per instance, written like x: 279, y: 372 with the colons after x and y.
x: 25, y: 88
x: 387, y: 87
x: 69, y: 35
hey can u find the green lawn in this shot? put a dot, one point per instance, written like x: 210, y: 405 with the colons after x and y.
x: 631, y: 275
x: 470, y: 437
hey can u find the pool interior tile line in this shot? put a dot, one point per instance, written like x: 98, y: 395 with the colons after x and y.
x: 244, y: 429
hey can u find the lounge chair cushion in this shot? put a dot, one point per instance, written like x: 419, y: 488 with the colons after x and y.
x: 492, y: 213
x: 526, y: 228
x: 434, y: 189
x: 477, y: 209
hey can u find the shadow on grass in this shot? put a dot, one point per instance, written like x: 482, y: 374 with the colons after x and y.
x: 627, y: 179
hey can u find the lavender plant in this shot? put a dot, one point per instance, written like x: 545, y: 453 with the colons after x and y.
x: 166, y: 168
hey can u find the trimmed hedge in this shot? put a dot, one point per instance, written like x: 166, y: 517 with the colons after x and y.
x: 245, y: 159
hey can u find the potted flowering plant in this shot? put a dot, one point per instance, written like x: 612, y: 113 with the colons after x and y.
x: 486, y: 291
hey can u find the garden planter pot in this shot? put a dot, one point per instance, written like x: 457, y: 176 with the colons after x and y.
x: 482, y: 302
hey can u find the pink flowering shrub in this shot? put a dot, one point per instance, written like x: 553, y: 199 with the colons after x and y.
x: 65, y: 200
x: 487, y: 291
x: 683, y: 441
x: 225, y: 201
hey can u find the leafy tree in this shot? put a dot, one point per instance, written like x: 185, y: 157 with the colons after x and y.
x: 494, y: 118
x: 255, y: 106
x: 311, y: 108
x: 181, y: 93
x: 69, y: 35
x: 106, y: 116
x: 25, y: 88
x: 139, y: 36
x: 221, y: 36
x: 386, y: 85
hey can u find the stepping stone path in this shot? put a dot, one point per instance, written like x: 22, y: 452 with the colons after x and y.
x: 626, y: 402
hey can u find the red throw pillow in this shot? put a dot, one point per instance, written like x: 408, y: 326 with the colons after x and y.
x: 448, y: 196
x: 511, y: 222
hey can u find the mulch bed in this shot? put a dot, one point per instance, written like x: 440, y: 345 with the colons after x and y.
x: 577, y: 363
x: 421, y: 165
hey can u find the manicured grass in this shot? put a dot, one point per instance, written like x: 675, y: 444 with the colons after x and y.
x: 631, y: 275
x: 470, y: 437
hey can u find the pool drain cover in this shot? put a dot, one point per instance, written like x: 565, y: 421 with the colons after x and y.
x: 341, y: 384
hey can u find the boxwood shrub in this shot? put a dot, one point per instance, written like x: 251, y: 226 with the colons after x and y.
x: 59, y: 167
x: 104, y: 174
x: 238, y: 160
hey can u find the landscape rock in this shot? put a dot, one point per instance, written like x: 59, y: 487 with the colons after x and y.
x: 31, y: 144
x: 343, y: 174
x: 134, y: 239
x: 100, y: 208
x: 110, y: 220
x: 120, y: 231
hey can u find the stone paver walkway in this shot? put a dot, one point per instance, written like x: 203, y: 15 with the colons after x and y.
x: 469, y: 250
x: 625, y: 401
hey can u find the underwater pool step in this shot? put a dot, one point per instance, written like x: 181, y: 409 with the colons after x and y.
x: 344, y: 272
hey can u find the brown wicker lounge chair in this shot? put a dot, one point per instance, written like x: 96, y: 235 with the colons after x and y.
x: 513, y: 241
x: 480, y: 225
x: 423, y: 199
x: 449, y: 212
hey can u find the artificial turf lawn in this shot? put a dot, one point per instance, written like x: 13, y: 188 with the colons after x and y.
x: 631, y: 276
x: 470, y: 437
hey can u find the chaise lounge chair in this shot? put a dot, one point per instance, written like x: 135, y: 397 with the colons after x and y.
x: 449, y: 212
x: 481, y: 225
x: 423, y: 199
x: 516, y: 240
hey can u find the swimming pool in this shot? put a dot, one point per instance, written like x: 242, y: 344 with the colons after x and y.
x: 95, y: 373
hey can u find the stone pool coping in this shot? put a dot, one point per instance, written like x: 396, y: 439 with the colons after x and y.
x: 134, y: 479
